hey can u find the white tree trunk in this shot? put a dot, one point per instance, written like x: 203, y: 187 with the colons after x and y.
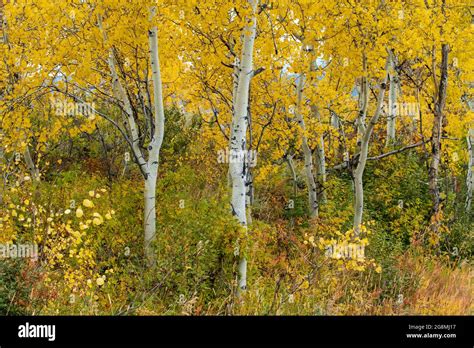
x: 392, y: 102
x: 235, y: 79
x: 34, y: 172
x: 320, y: 162
x: 363, y: 154
x: 148, y: 167
x: 308, y: 155
x: 334, y: 120
x: 470, y: 170
x: 238, y: 141
x: 291, y: 165
x: 154, y: 147
x: 436, y: 134
x: 359, y: 200
x: 321, y: 165
x: 150, y: 217
x: 363, y: 100
x: 235, y: 85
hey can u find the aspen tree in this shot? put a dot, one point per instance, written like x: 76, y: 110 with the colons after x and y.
x: 238, y: 141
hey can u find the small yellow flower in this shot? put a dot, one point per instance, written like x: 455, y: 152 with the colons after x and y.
x: 91, y: 193
x: 79, y: 212
x: 378, y: 269
x: 97, y: 221
x: 67, y: 211
x: 100, y: 281
x: 87, y: 203
x: 108, y: 216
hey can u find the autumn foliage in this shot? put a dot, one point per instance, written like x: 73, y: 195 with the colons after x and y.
x: 349, y: 194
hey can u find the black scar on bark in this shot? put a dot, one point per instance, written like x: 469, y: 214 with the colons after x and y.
x: 234, y: 213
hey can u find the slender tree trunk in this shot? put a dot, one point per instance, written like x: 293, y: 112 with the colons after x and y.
x: 321, y: 166
x: 334, y: 120
x: 235, y: 85
x: 359, y: 200
x: 308, y: 155
x: 34, y: 172
x: 291, y: 166
x: 249, y: 177
x: 363, y: 100
x: 336, y: 124
x: 470, y: 170
x: 154, y: 147
x: 358, y: 173
x: 416, y: 115
x: 320, y: 162
x: 150, y: 217
x: 148, y: 167
x: 392, y: 102
x: 436, y: 136
x: 238, y: 143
